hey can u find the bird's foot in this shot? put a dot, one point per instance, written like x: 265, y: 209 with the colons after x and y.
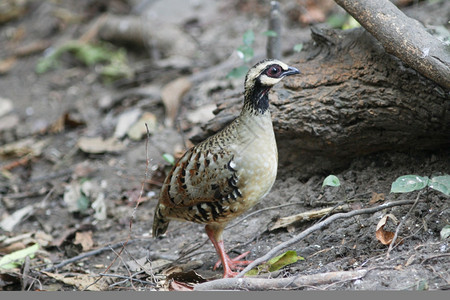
x: 234, y: 263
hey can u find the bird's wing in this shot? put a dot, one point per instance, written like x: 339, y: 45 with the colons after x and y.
x: 203, y: 174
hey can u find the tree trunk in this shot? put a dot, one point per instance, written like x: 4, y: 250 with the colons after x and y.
x: 352, y: 99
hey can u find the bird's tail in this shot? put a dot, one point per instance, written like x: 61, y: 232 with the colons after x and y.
x: 160, y: 223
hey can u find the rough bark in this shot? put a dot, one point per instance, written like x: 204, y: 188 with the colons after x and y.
x: 403, y: 37
x: 352, y: 99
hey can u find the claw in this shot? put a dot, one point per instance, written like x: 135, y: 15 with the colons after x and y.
x: 234, y: 263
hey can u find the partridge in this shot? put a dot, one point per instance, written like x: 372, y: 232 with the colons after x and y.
x: 229, y: 172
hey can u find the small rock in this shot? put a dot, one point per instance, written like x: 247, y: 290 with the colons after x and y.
x: 6, y: 106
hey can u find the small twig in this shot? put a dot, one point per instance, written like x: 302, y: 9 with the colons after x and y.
x: 31, y: 194
x: 52, y: 176
x: 141, y: 192
x: 317, y: 227
x: 435, y: 256
x: 43, y: 203
x: 86, y: 254
x: 125, y: 265
x: 400, y: 225
x: 25, y: 272
x: 126, y: 278
x: 17, y: 163
x: 261, y: 210
x: 181, y: 132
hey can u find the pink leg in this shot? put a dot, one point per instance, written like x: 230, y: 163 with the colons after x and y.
x: 215, y: 235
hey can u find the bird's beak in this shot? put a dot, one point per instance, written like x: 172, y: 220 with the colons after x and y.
x: 291, y: 71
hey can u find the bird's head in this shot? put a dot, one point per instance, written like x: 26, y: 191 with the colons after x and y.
x: 261, y: 78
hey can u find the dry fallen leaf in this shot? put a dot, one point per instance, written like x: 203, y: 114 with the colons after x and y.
x: 286, y: 222
x: 8, y: 223
x: 180, y: 286
x: 97, y: 145
x: 23, y: 147
x: 10, y: 277
x: 385, y: 237
x: 81, y: 281
x: 202, y: 114
x: 7, y: 64
x: 83, y: 169
x: 376, y: 197
x: 190, y: 277
x: 84, y: 238
x: 172, y: 94
x: 12, y: 247
x: 410, y: 260
x: 66, y: 120
x: 138, y: 129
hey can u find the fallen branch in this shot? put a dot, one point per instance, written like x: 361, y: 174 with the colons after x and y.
x: 272, y: 253
x: 403, y: 37
x: 260, y: 284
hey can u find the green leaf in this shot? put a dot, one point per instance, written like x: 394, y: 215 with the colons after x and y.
x: 238, y: 72
x: 270, y: 33
x: 409, y: 183
x: 337, y: 20
x: 89, y: 54
x: 245, y: 53
x: 441, y: 184
x: 331, y: 180
x: 276, y: 263
x: 350, y: 23
x: 422, y: 285
x: 287, y: 258
x: 298, y: 47
x: 169, y: 158
x: 249, y: 37
x: 83, y: 202
x: 445, y: 232
x: 46, y: 63
x: 117, y: 67
x: 16, y: 258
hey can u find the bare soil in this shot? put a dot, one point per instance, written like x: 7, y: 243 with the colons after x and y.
x: 420, y: 261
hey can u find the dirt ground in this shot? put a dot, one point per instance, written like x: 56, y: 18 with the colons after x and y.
x: 75, y: 199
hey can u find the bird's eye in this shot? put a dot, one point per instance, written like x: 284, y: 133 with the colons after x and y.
x: 274, y: 71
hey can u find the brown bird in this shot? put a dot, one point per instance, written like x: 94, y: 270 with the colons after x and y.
x: 229, y: 172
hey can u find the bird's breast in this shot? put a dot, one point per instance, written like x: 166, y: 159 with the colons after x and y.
x: 257, y: 162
